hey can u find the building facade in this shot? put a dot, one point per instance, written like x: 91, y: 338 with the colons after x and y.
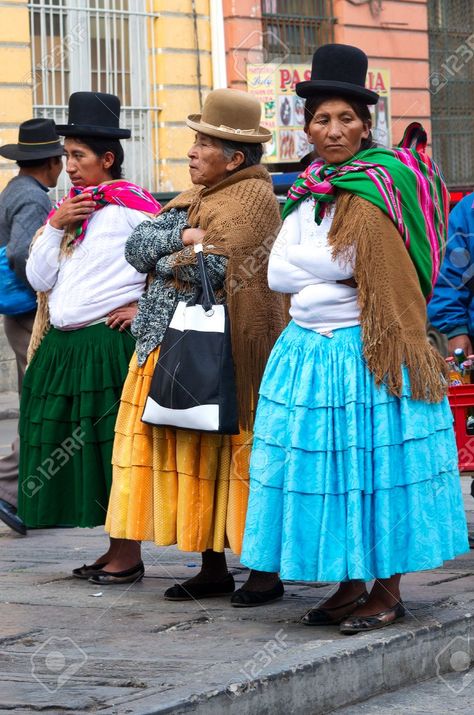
x: 393, y: 33
x: 421, y: 48
x: 155, y: 54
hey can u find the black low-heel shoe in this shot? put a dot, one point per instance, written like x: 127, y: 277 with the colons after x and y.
x: 363, y: 624
x: 249, y: 599
x: 9, y: 517
x: 104, y: 578
x: 87, y: 571
x: 190, y: 591
x: 323, y: 617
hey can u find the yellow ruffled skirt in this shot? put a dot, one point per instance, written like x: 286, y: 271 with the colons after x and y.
x: 175, y: 486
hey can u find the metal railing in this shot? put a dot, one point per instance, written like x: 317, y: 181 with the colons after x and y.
x: 294, y: 29
x: 104, y: 46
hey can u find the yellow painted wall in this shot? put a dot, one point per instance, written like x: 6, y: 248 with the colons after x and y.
x: 180, y: 72
x: 15, y: 84
x: 179, y: 82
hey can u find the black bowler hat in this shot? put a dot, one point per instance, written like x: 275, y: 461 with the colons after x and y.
x: 37, y: 139
x: 339, y: 70
x: 93, y: 114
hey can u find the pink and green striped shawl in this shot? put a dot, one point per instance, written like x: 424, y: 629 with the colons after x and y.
x: 404, y: 182
x: 118, y: 193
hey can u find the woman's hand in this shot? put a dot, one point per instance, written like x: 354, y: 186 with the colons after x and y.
x: 192, y: 236
x: 121, y: 318
x: 460, y: 341
x: 73, y: 211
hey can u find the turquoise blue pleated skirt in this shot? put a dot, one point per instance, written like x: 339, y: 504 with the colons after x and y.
x: 347, y: 481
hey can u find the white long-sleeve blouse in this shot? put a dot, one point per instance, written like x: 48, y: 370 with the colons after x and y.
x: 301, y: 263
x: 95, y: 279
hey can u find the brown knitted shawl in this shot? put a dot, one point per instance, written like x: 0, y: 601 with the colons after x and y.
x: 393, y: 309
x: 241, y: 219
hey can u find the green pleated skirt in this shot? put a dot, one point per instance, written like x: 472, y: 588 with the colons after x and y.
x: 69, y: 403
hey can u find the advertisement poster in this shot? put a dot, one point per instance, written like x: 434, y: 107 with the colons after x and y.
x: 283, y: 111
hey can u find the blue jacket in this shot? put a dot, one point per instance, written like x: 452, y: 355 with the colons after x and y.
x: 451, y: 309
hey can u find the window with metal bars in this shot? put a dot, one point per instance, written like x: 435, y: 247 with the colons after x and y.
x: 451, y: 49
x: 294, y: 29
x: 98, y: 45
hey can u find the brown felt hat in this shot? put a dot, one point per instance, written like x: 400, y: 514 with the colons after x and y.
x: 230, y: 114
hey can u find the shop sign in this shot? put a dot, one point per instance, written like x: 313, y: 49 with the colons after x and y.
x: 283, y: 111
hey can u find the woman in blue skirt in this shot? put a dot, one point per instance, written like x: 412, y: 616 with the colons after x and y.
x: 354, y: 466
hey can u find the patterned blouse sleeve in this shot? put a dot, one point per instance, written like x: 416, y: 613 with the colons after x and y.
x: 154, y: 239
x: 216, y: 267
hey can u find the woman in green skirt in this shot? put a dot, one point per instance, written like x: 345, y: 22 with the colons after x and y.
x: 81, y: 347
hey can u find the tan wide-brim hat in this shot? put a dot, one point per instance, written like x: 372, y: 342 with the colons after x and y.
x: 231, y: 114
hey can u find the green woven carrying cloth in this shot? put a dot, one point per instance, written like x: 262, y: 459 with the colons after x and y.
x: 404, y: 182
x: 70, y: 398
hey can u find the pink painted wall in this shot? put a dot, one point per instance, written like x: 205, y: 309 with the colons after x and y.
x: 243, y: 39
x: 395, y: 39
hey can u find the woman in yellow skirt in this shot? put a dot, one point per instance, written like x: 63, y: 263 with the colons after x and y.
x: 179, y: 486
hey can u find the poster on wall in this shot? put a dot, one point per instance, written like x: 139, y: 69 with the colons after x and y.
x: 283, y: 111
x: 378, y: 80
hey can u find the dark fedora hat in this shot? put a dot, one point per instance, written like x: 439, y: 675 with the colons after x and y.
x: 338, y: 69
x: 37, y: 139
x: 93, y: 114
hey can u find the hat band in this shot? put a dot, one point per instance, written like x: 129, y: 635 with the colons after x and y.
x: 232, y: 130
x: 53, y: 141
x: 236, y: 131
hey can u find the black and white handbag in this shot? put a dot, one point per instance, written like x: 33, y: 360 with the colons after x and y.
x: 193, y: 385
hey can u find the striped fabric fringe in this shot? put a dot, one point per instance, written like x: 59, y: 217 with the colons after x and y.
x: 119, y: 192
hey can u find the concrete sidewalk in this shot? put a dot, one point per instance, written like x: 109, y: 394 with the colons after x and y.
x: 8, y: 405
x: 69, y: 646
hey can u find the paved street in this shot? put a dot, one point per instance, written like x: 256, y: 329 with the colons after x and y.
x: 67, y: 645
x: 433, y: 697
x: 7, y: 435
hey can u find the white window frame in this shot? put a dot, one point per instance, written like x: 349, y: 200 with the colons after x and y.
x: 132, y: 24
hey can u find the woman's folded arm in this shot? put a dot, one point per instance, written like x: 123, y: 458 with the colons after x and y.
x: 42, y: 266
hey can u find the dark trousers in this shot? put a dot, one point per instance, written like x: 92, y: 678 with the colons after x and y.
x: 18, y: 331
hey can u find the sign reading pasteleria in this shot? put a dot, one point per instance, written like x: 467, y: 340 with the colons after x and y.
x: 283, y: 110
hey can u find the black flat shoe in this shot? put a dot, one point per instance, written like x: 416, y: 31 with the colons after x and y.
x: 249, y: 599
x: 363, y: 624
x: 9, y: 517
x: 190, y: 591
x: 87, y: 571
x: 128, y: 576
x: 322, y: 616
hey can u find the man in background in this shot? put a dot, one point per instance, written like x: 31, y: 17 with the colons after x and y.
x: 24, y: 207
x: 451, y: 309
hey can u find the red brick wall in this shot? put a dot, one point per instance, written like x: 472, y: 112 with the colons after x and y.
x: 243, y: 36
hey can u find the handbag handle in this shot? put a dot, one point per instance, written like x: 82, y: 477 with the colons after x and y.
x: 208, y: 297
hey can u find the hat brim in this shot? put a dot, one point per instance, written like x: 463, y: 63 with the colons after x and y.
x: 310, y: 88
x: 89, y: 130
x: 194, y: 122
x: 15, y: 152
